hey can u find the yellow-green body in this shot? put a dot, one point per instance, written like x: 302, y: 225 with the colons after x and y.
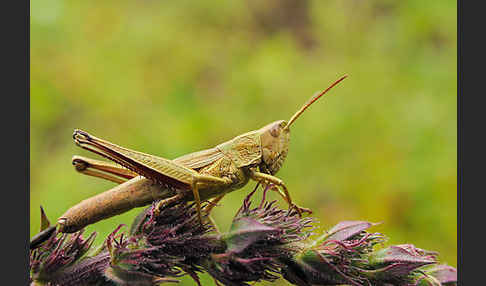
x: 197, y: 176
x: 234, y: 161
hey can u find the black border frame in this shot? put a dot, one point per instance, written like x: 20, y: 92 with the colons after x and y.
x: 16, y: 135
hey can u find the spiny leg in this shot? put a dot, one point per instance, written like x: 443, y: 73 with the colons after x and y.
x: 262, y: 177
x: 209, y: 207
x: 197, y: 199
x: 214, y: 202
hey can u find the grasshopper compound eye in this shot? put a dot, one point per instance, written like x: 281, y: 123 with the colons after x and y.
x: 275, y: 131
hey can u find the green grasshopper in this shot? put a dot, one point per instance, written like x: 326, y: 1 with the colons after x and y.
x: 257, y: 155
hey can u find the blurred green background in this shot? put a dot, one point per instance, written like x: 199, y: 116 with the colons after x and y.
x: 173, y: 77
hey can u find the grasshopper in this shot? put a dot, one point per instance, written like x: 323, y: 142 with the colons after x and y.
x: 257, y: 155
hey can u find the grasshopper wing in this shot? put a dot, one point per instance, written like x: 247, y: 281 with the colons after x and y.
x: 200, y: 159
x: 150, y: 166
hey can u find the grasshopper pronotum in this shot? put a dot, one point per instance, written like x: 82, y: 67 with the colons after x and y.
x: 198, y: 176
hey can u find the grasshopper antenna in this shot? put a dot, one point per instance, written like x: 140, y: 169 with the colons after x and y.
x: 311, y: 101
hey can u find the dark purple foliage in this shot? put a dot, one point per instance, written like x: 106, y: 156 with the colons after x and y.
x: 258, y: 240
x: 263, y: 243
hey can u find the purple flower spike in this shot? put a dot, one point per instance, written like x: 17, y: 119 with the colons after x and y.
x: 399, y: 263
x: 335, y: 257
x: 399, y: 260
x: 161, y: 246
x: 54, y: 260
x: 258, y: 240
x: 266, y: 220
x: 264, y: 243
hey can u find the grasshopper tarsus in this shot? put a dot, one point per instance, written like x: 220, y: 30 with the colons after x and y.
x: 303, y: 210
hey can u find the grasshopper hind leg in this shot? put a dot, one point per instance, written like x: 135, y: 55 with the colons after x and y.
x: 101, y: 169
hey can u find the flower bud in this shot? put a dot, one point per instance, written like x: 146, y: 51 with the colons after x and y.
x: 335, y: 257
x: 447, y: 275
x: 397, y: 262
x: 160, y: 246
x: 436, y: 275
x: 259, y: 238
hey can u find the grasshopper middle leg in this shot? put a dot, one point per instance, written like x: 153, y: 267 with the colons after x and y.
x: 200, y: 179
x: 209, y: 207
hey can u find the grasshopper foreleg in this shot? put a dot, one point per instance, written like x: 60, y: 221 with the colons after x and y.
x: 266, y: 178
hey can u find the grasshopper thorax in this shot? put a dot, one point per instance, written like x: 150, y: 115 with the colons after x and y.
x: 275, y: 146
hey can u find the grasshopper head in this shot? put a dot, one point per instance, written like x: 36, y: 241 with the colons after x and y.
x: 275, y: 136
x: 275, y: 146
